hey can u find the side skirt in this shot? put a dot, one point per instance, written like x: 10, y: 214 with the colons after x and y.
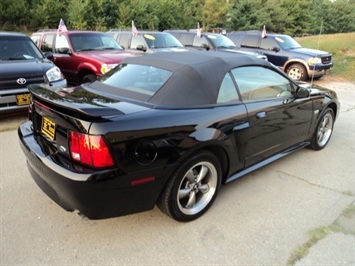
x: 267, y: 161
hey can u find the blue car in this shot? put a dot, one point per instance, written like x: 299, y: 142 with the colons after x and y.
x: 284, y: 52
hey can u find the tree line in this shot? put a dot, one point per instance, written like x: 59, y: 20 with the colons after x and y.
x: 282, y: 16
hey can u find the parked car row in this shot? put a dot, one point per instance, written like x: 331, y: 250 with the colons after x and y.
x: 84, y: 56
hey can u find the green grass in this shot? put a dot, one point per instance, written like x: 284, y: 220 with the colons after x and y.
x: 320, y: 233
x: 342, y: 46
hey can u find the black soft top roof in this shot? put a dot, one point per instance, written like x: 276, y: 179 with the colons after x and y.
x: 197, y: 75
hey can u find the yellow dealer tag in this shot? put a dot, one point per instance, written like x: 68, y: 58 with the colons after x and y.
x: 150, y: 37
x: 279, y: 39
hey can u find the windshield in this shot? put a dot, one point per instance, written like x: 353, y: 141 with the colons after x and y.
x: 18, y: 48
x: 221, y: 41
x: 161, y: 40
x: 286, y: 42
x: 93, y: 41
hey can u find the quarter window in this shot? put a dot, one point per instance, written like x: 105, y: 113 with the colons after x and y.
x: 269, y: 83
x: 227, y: 91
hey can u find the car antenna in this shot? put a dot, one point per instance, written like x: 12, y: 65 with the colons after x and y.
x: 320, y: 33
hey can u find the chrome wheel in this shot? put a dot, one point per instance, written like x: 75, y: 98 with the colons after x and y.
x: 192, y: 188
x: 325, y: 129
x: 197, y: 188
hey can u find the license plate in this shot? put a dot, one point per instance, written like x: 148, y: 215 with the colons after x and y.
x: 48, y: 128
x: 23, y: 99
x: 327, y: 71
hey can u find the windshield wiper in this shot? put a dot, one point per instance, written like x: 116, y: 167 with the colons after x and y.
x: 87, y: 49
x: 108, y: 48
x: 15, y: 58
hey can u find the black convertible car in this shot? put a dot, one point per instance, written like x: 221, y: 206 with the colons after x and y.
x: 168, y: 129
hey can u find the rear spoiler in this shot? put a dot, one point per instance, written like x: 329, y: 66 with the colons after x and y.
x: 63, y: 102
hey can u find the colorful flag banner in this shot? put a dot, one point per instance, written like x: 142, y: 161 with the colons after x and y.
x: 199, y: 33
x: 134, y: 29
x: 62, y: 28
x: 263, y: 33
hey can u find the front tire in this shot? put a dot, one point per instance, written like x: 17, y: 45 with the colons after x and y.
x: 297, y: 72
x: 89, y: 78
x: 323, y: 130
x: 193, y: 188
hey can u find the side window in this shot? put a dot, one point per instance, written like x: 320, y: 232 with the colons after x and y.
x: 198, y: 42
x: 250, y: 41
x: 61, y: 42
x: 268, y: 43
x: 269, y: 83
x: 234, y: 37
x: 47, y: 43
x: 187, y: 39
x: 124, y: 40
x: 227, y: 91
x: 137, y: 40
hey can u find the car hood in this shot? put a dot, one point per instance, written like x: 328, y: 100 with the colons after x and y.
x: 18, y: 68
x: 310, y: 52
x: 237, y: 51
x: 108, y: 56
x: 317, y: 90
x: 172, y: 49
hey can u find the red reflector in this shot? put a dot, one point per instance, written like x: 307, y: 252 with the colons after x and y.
x: 90, y: 150
x: 142, y: 180
x: 42, y: 105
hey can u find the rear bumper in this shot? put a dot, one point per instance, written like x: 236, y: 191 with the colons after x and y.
x: 97, y: 195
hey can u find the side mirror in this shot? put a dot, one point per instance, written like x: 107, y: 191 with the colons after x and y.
x: 275, y: 49
x: 206, y: 46
x: 64, y: 50
x: 141, y: 48
x: 49, y: 55
x: 302, y: 92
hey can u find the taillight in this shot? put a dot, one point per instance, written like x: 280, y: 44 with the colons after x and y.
x: 90, y: 150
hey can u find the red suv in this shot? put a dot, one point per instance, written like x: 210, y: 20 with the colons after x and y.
x: 82, y: 56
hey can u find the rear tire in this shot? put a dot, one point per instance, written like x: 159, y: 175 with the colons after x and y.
x: 323, y: 130
x: 297, y: 72
x: 193, y: 188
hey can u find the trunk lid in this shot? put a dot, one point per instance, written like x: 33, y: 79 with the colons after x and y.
x: 55, y: 114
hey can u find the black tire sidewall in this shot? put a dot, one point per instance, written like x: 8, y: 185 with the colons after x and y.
x: 89, y: 78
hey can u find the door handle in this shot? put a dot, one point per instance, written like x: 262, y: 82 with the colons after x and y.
x: 261, y: 115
